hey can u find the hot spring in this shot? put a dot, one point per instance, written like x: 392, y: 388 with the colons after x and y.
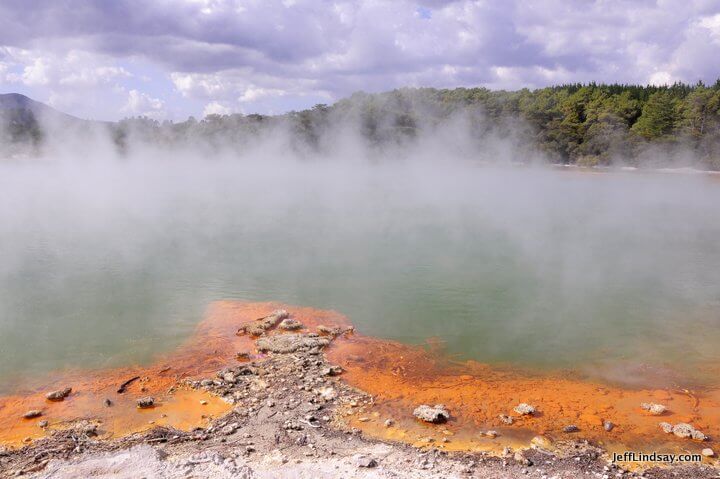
x: 613, y: 275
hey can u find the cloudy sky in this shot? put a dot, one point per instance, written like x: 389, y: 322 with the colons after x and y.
x: 168, y: 59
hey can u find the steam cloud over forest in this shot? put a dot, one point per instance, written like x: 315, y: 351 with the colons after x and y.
x: 585, y: 125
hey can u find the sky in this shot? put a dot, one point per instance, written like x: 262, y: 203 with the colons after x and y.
x: 170, y: 59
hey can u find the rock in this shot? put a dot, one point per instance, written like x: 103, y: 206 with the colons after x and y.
x: 522, y: 459
x: 86, y: 427
x: 571, y: 428
x: 242, y: 356
x: 327, y: 393
x: 229, y: 429
x: 541, y: 442
x: 491, y: 434
x: 247, y: 371
x: 389, y: 422
x: 146, y: 402
x: 364, y: 419
x: 280, y: 314
x: 229, y: 377
x: 683, y: 430
x: 707, y: 452
x: 666, y: 427
x: 332, y: 371
x: 328, y: 330
x: 32, y: 414
x: 259, y: 326
x: 292, y: 425
x: 42, y: 424
x: 608, y: 426
x: 654, y: 409
x: 290, y: 324
x: 289, y: 343
x: 506, y: 419
x: 58, y: 395
x: 365, y: 461
x: 107, y: 402
x: 524, y: 409
x: 436, y: 415
x: 203, y: 402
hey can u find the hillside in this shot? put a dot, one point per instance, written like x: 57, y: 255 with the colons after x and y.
x: 24, y: 122
x: 15, y: 102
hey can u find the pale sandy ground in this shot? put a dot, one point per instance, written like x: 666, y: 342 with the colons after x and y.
x: 145, y: 461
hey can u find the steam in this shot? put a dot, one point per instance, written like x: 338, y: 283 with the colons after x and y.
x: 110, y: 256
x: 367, y: 129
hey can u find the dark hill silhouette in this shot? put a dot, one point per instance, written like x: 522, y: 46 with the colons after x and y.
x: 24, y: 107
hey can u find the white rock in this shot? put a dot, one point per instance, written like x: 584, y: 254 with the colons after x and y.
x: 524, y: 409
x: 436, y: 414
x: 653, y: 408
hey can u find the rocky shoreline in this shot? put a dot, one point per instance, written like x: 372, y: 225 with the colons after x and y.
x: 288, y: 419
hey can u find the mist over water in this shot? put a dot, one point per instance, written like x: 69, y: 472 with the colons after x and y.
x: 106, y: 263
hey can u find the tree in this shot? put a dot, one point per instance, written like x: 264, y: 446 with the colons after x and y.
x: 659, y: 117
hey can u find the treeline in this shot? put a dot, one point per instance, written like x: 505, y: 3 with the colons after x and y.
x: 583, y: 124
x: 593, y: 124
x: 20, y: 131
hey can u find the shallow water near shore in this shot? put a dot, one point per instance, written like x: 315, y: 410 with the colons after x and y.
x: 612, y: 276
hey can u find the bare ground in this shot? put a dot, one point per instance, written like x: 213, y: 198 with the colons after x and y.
x: 287, y: 423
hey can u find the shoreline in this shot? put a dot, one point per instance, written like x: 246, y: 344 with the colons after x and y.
x: 284, y: 399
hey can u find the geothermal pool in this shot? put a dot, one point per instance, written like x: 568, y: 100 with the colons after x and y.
x: 614, y: 276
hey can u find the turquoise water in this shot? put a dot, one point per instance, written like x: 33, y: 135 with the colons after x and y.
x: 109, y: 265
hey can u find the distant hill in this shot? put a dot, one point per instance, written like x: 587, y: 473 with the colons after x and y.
x: 10, y: 101
x: 25, y: 106
x: 24, y: 123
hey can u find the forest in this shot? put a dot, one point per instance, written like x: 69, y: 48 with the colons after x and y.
x: 581, y: 124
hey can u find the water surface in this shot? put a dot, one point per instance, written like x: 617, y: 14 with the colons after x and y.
x: 106, y: 265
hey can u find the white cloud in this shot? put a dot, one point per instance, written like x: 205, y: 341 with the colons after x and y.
x: 74, y: 68
x: 285, y: 54
x: 94, y: 75
x: 661, y: 78
x: 79, y: 82
x: 242, y: 86
x: 3, y: 72
x: 711, y: 23
x: 254, y: 93
x: 201, y: 85
x: 142, y: 104
x: 37, y: 73
x: 215, y: 108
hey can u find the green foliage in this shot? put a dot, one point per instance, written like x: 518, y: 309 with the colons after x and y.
x: 659, y: 116
x: 585, y: 124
